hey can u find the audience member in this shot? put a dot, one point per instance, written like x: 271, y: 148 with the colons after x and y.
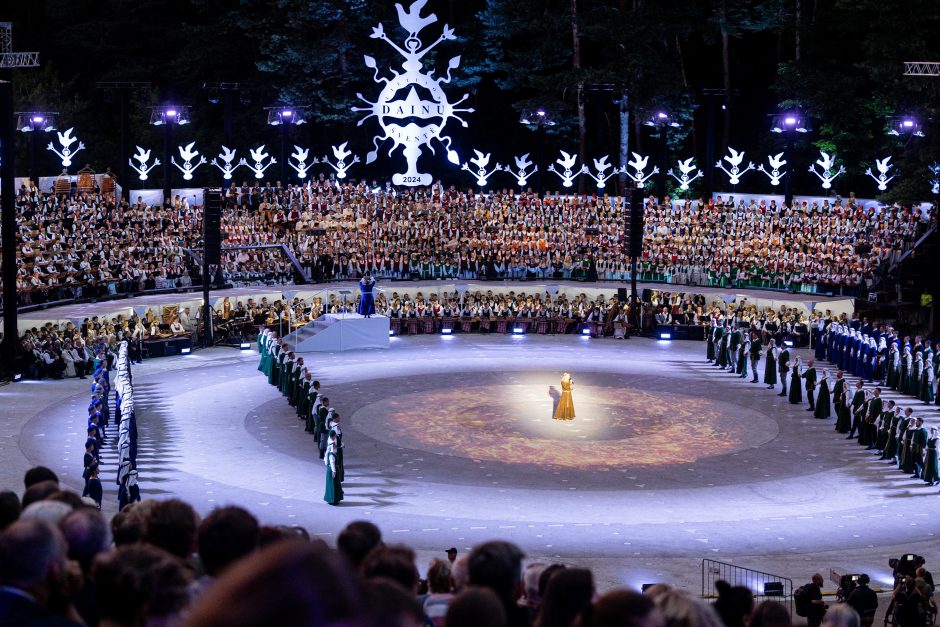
x: 476, y: 606
x: 34, y: 581
x: 139, y: 585
x: 289, y: 584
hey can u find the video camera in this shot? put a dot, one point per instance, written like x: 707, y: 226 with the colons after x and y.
x: 905, y: 566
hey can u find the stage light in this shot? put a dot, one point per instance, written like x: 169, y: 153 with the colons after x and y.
x: 285, y: 115
x: 518, y: 331
x: 391, y: 333
x: 663, y: 335
x: 36, y: 121
x: 446, y: 331
x: 17, y: 376
x: 185, y: 351
x: 786, y: 122
x: 170, y: 114
x: 905, y: 125
x: 586, y: 331
x: 245, y: 346
x: 788, y: 343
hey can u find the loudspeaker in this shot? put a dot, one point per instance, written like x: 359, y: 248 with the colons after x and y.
x: 622, y: 294
x: 212, y: 226
x: 635, y: 224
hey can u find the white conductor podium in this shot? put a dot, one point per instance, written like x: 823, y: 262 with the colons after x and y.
x: 340, y: 332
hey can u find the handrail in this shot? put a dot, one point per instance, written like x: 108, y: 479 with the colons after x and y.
x: 754, y: 580
x: 907, y: 253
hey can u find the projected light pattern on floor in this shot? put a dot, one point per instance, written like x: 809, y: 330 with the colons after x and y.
x: 615, y: 427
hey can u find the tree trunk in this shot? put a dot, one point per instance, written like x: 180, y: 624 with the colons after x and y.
x: 797, y: 29
x: 624, y: 138
x: 726, y: 78
x: 576, y: 63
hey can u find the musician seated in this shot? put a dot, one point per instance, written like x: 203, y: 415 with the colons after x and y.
x: 176, y: 327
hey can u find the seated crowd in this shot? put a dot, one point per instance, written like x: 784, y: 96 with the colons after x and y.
x: 67, y: 350
x: 62, y: 563
x: 89, y: 245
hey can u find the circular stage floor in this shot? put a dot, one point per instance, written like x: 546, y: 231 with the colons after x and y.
x: 450, y: 441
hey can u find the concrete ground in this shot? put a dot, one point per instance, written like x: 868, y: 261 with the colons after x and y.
x: 450, y: 442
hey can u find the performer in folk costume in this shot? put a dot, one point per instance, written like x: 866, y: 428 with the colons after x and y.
x: 810, y: 376
x: 366, y: 299
x: 565, y: 409
x: 891, y: 443
x: 822, y: 401
x: 333, y: 424
x: 927, y: 382
x: 931, y: 473
x: 883, y: 427
x: 770, y: 366
x: 710, y: 342
x: 334, y: 488
x: 755, y: 351
x: 796, y: 391
x: 744, y: 348
x: 906, y: 422
x: 129, y: 492
x: 859, y: 409
x: 783, y: 366
x: 866, y: 433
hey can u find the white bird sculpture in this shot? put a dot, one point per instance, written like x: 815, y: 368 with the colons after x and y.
x: 882, y: 179
x: 639, y: 164
x: 142, y: 156
x: 227, y: 156
x: 686, y: 167
x: 567, y: 174
x: 66, y: 140
x: 258, y: 155
x: 828, y: 175
x: 776, y: 163
x: 522, y: 172
x: 188, y: 153
x: 301, y: 167
x: 412, y: 20
x: 481, y: 161
x: 601, y: 166
x: 341, y: 153
x: 734, y: 159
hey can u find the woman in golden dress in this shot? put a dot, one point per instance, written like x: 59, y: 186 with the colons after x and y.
x: 565, y: 409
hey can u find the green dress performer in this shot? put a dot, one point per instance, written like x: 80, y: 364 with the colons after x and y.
x: 931, y: 472
x: 334, y: 488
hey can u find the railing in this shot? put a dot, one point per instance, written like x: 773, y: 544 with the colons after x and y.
x: 910, y: 249
x: 780, y: 588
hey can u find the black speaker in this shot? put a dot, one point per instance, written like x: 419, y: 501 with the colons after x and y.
x: 622, y: 294
x: 635, y: 224
x: 212, y: 226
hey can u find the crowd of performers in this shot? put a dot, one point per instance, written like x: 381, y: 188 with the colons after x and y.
x: 88, y: 245
x: 287, y: 372
x: 894, y: 433
x: 99, y: 419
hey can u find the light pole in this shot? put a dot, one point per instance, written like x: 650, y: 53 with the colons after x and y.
x: 788, y: 123
x: 662, y: 121
x: 285, y: 116
x: 540, y: 119
x: 124, y: 90
x: 166, y: 116
x: 35, y: 122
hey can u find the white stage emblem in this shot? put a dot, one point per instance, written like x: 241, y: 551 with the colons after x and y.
x: 412, y: 120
